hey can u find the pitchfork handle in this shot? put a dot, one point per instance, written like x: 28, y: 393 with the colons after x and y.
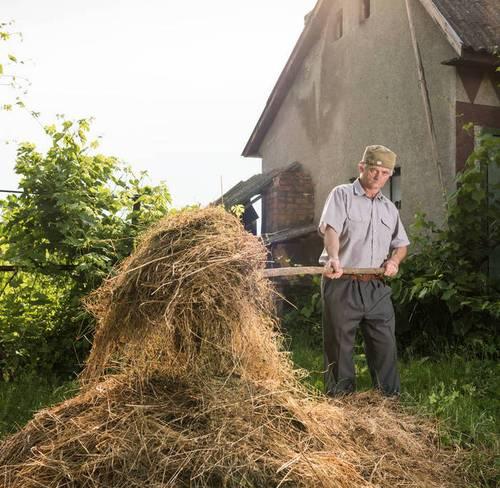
x: 313, y: 270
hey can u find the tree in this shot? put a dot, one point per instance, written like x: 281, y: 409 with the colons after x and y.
x: 78, y: 214
x: 9, y: 77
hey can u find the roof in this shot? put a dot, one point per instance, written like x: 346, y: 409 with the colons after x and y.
x: 311, y: 33
x: 476, y: 22
x: 468, y: 25
x: 243, y: 191
x: 288, y: 234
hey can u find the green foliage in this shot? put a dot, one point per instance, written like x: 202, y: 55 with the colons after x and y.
x: 460, y: 390
x: 76, y: 209
x: 238, y: 210
x: 463, y: 394
x: 78, y: 214
x: 20, y: 399
x: 447, y: 291
x: 14, y: 85
x: 302, y: 311
x: 37, y: 332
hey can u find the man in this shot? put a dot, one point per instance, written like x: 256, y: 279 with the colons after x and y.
x: 361, y: 229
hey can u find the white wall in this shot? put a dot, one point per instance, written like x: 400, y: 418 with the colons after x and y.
x: 363, y: 89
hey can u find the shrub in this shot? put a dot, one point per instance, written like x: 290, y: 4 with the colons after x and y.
x: 78, y: 213
x: 448, y: 289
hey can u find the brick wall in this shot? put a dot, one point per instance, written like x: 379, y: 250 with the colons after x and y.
x: 288, y: 202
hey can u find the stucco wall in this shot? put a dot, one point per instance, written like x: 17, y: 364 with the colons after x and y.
x: 363, y: 89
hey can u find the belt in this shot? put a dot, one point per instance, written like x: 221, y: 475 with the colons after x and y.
x: 362, y: 277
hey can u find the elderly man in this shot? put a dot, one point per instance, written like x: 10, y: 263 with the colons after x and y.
x: 361, y: 229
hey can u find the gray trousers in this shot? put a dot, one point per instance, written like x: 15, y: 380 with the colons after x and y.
x: 348, y: 303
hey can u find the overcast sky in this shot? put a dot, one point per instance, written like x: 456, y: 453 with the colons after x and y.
x: 175, y: 88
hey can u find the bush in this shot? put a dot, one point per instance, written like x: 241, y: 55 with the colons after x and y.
x: 301, y: 316
x: 78, y: 214
x: 449, y: 287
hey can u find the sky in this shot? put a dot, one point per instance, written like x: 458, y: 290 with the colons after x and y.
x: 175, y: 88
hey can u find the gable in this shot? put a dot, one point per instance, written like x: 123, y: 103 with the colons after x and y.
x: 471, y: 28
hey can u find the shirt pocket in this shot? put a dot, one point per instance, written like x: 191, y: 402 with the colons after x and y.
x: 356, y: 214
x: 387, y: 223
x: 386, y: 230
x: 356, y: 224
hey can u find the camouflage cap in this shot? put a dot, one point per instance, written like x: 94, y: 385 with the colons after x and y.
x: 379, y: 156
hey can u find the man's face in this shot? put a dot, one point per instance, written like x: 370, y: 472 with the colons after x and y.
x: 373, y: 177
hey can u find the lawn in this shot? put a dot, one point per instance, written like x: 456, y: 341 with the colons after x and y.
x: 461, y: 393
x: 19, y: 400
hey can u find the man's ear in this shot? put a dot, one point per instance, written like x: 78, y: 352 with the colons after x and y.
x: 361, y: 166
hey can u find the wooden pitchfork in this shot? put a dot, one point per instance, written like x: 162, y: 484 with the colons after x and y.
x: 314, y: 270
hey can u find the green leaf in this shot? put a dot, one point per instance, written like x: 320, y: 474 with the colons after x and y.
x: 448, y: 294
x: 423, y: 293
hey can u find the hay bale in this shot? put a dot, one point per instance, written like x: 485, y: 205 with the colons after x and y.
x: 190, y: 301
x: 187, y: 385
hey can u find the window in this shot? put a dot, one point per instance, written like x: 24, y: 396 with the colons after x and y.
x: 364, y: 10
x: 493, y: 187
x: 338, y: 25
x: 395, y: 187
x: 392, y: 189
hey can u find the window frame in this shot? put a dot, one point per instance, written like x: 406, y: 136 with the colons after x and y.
x: 338, y: 25
x: 364, y: 10
x: 397, y: 172
x: 494, y: 255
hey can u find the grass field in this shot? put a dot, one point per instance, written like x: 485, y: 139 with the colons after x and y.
x: 19, y: 400
x: 463, y: 394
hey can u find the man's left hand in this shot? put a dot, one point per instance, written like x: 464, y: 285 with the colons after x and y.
x: 391, y: 268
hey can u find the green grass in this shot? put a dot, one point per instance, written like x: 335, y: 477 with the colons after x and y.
x: 464, y: 395
x: 461, y: 393
x: 19, y: 400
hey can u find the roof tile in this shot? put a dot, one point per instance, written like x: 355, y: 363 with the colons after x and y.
x: 477, y: 23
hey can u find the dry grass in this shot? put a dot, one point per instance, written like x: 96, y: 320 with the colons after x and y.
x: 187, y: 385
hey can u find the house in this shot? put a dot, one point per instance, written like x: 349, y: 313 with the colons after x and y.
x: 353, y: 79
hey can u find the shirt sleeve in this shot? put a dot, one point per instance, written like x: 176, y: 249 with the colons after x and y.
x: 334, y: 212
x: 399, y: 237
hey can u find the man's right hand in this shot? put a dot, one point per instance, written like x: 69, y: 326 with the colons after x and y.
x: 333, y: 269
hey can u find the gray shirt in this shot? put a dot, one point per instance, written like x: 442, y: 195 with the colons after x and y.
x: 368, y: 229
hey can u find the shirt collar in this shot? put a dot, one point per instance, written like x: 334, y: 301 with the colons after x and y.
x: 359, y: 190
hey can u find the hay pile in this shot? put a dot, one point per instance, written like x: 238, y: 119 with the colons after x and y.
x: 186, y: 385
